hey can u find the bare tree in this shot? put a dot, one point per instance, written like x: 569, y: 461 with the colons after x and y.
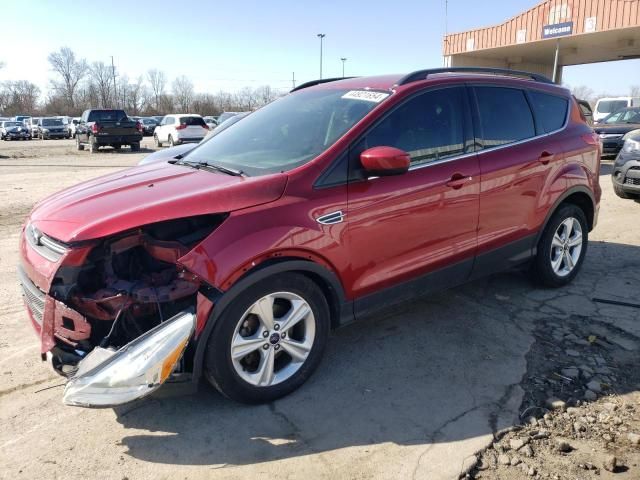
x: 582, y: 92
x: 158, y: 82
x: 19, y: 97
x: 183, y: 93
x: 101, y: 77
x: 71, y: 72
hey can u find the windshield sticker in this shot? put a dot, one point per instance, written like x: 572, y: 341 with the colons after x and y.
x: 366, y: 95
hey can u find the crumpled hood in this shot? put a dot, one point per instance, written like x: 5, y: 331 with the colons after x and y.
x: 148, y: 194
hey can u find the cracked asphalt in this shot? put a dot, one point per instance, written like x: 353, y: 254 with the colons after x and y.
x: 414, y: 393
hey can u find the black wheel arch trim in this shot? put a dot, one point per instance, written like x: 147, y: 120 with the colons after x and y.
x: 560, y: 201
x: 341, y: 309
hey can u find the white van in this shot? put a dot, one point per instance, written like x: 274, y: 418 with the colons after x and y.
x: 608, y: 105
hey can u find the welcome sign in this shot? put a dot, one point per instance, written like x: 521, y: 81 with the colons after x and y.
x: 557, y: 30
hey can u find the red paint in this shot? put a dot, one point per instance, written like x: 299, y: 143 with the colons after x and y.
x: 395, y: 227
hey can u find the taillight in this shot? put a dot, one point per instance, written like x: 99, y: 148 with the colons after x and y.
x: 139, y: 127
x: 205, y: 126
x: 182, y: 126
x: 591, y: 138
x: 95, y: 128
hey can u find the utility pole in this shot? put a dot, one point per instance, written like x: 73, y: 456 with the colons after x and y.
x: 293, y: 80
x: 344, y: 59
x: 113, y: 72
x: 321, y: 36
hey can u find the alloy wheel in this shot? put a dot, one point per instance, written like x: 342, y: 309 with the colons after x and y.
x: 273, y: 339
x: 566, y: 247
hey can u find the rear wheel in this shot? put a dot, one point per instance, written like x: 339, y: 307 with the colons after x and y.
x: 157, y: 142
x: 562, y: 247
x: 79, y: 146
x: 269, y: 341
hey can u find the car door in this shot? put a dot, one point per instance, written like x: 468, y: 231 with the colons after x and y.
x: 516, y: 158
x: 166, y: 127
x: 82, y: 132
x: 415, y: 231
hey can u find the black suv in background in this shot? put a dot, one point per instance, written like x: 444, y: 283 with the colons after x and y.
x: 107, y: 128
x: 626, y: 169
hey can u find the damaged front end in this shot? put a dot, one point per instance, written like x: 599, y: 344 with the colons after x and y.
x: 120, y: 313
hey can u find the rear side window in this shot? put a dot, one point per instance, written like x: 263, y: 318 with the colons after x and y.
x: 428, y: 127
x: 505, y: 116
x: 192, y: 121
x: 550, y: 110
x: 107, y: 116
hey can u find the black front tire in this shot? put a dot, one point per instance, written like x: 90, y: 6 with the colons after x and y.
x: 541, y: 269
x: 157, y: 141
x: 93, y: 146
x: 219, y: 369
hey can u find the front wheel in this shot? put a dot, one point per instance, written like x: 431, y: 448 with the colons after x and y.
x: 79, y: 146
x: 135, y: 147
x: 157, y: 142
x: 269, y: 340
x: 562, y: 247
x: 171, y: 142
x: 93, y: 146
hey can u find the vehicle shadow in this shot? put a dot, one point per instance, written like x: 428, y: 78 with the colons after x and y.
x: 606, y: 168
x: 438, y: 371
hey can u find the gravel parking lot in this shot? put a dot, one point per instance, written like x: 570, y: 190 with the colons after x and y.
x: 412, y: 394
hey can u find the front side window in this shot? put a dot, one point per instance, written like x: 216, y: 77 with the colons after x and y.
x: 505, y: 116
x: 428, y: 127
x: 288, y: 132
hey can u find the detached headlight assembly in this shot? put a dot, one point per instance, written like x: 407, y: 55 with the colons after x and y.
x: 107, y: 377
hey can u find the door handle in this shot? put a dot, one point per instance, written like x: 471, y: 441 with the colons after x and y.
x: 545, y: 157
x: 458, y: 180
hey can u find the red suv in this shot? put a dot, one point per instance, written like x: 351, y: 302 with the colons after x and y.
x: 236, y: 259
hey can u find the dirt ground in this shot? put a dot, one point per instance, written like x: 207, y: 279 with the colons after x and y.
x: 496, y: 379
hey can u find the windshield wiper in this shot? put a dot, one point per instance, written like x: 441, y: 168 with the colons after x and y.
x: 179, y: 161
x: 227, y: 170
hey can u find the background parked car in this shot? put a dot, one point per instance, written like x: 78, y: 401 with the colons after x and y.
x: 614, y: 127
x: 73, y: 126
x: 107, y: 128
x: 32, y: 123
x: 226, y: 116
x: 180, y: 128
x: 211, y: 121
x: 158, y: 118
x: 13, y: 130
x: 608, y: 105
x: 149, y: 124
x: 626, y: 170
x: 51, y: 127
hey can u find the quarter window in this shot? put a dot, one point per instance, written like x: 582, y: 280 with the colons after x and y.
x: 505, y: 116
x: 550, y: 110
x: 429, y: 127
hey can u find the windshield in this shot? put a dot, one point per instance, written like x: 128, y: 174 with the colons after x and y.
x: 623, y: 116
x: 609, y: 106
x: 286, y: 133
x: 11, y: 124
x: 50, y: 122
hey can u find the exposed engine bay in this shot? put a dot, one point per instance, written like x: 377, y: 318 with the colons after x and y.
x: 127, y: 285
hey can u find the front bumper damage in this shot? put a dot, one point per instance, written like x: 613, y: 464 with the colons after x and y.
x: 119, y: 316
x: 106, y: 377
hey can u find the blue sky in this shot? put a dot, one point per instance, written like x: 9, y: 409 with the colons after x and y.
x: 229, y: 45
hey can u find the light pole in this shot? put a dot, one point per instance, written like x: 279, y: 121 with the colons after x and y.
x: 344, y: 59
x: 321, y: 36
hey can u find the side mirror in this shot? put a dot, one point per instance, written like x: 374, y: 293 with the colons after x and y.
x: 385, y: 161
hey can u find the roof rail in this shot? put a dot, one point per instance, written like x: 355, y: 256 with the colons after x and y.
x: 424, y: 74
x: 317, y: 82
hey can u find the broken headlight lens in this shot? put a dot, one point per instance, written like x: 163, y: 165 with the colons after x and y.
x: 107, y: 377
